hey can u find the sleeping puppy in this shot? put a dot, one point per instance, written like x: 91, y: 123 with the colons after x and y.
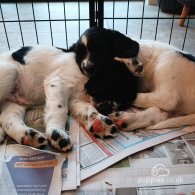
x: 50, y: 76
x: 166, y: 91
x: 33, y: 76
x: 109, y: 83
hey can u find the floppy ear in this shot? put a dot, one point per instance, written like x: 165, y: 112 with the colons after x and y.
x: 124, y: 47
x: 110, y: 84
x: 72, y: 47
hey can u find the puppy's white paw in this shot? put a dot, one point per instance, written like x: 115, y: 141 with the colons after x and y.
x: 122, y: 120
x: 102, y: 126
x: 60, y: 140
x: 128, y: 121
x: 34, y: 138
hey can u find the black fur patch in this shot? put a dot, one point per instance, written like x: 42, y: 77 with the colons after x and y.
x: 20, y: 54
x: 124, y: 47
x: 96, y: 136
x: 55, y: 135
x: 108, y: 121
x: 124, y: 125
x: 64, y: 142
x: 188, y: 56
x: 41, y: 139
x: 110, y: 42
x: 32, y: 133
x: 103, y: 45
x: 113, y: 82
x: 105, y: 107
x: 108, y: 137
x: 109, y: 80
x: 113, y: 130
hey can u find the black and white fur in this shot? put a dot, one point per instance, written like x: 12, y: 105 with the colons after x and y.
x: 29, y: 76
x: 166, y: 91
x: 47, y: 75
x: 167, y: 88
x: 108, y: 80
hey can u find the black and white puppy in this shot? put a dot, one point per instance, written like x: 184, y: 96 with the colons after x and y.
x: 166, y: 91
x: 41, y: 75
x: 109, y: 81
x: 28, y: 77
x: 47, y: 75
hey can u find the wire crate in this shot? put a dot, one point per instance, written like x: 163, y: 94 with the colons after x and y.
x: 60, y: 23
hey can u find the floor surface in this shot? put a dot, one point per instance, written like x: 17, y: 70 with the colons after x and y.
x: 66, y: 33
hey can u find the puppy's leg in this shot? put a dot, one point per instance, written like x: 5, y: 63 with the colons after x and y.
x: 56, y: 110
x: 11, y: 120
x: 94, y: 122
x: 128, y: 121
x: 166, y: 101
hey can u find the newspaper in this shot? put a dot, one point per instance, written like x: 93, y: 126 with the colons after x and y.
x: 26, y: 170
x: 174, y: 161
x: 98, y: 154
x: 71, y: 166
x: 90, y: 156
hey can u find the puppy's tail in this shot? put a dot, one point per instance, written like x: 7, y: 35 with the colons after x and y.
x: 175, y: 122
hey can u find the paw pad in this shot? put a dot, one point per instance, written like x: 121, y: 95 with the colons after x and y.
x: 32, y: 133
x: 64, y: 142
x: 103, y: 127
x: 41, y: 140
x: 124, y: 125
x: 114, y: 130
x: 34, y: 138
x: 60, y: 140
x: 97, y: 126
x: 107, y: 137
x: 121, y: 124
x: 108, y: 121
x: 55, y: 135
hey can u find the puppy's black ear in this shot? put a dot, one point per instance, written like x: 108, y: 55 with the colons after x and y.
x: 124, y: 47
x: 72, y: 48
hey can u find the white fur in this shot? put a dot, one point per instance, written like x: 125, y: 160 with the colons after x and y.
x: 167, y: 84
x: 50, y: 75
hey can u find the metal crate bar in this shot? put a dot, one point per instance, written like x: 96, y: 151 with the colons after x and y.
x: 96, y: 17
